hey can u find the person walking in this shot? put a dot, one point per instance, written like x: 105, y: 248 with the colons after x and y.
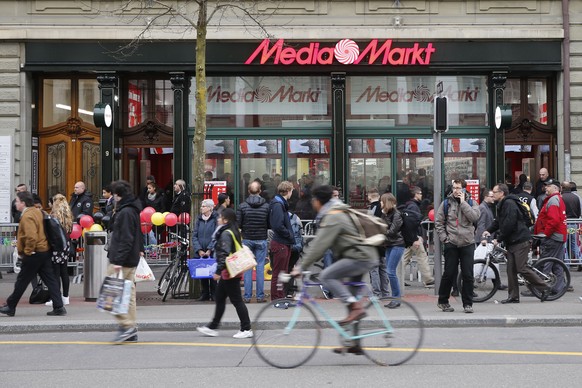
x: 456, y: 231
x: 252, y: 216
x: 417, y: 249
x: 125, y: 247
x: 282, y: 236
x: 33, y: 248
x: 226, y: 235
x: 61, y: 211
x: 203, y: 244
x: 379, y: 275
x: 513, y: 230
x: 394, y: 245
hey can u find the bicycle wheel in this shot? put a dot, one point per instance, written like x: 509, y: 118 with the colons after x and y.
x: 181, y: 287
x: 389, y: 341
x: 546, y: 269
x: 172, y: 280
x: 164, y: 281
x: 289, y: 337
x: 487, y: 280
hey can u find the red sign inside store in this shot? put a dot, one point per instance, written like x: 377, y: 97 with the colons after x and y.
x: 346, y: 52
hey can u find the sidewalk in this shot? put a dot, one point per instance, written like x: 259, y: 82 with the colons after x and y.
x: 153, y: 314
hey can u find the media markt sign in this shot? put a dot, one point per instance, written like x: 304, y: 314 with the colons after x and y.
x: 345, y: 52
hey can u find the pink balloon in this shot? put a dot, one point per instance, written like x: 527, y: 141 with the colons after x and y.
x: 431, y: 215
x: 86, y: 221
x: 171, y: 219
x: 76, y: 232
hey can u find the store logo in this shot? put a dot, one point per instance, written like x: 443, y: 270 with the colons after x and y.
x: 262, y: 94
x: 346, y: 52
x: 419, y: 94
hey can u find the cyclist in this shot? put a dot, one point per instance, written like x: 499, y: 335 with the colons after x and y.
x: 337, y: 231
x: 516, y: 235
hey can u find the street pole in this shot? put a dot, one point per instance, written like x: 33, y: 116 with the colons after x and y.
x: 438, y: 186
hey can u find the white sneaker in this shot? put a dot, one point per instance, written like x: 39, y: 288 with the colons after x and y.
x: 243, y: 334
x: 49, y: 303
x: 65, y: 300
x: 207, y: 332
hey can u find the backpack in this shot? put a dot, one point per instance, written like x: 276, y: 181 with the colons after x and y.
x: 410, y: 222
x: 372, y: 229
x: 55, y: 234
x: 526, y: 213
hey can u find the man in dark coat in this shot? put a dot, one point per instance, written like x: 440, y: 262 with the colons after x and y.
x: 125, y: 247
x: 252, y: 217
x: 81, y: 201
x: 513, y: 230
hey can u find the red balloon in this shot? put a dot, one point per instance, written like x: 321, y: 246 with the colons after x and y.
x: 171, y: 219
x: 86, y: 221
x: 431, y: 215
x: 146, y: 227
x: 76, y: 232
x: 146, y: 214
x: 184, y: 218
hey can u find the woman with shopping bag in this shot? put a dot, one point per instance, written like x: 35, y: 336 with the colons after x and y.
x: 227, y: 238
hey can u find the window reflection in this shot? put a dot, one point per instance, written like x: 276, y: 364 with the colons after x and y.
x: 88, y: 96
x: 307, y: 167
x: 56, y: 101
x: 415, y: 167
x: 260, y: 160
x: 219, y: 163
x: 369, y: 167
x: 465, y: 159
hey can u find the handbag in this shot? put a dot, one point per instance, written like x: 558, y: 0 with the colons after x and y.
x: 115, y: 294
x: 143, y: 272
x: 40, y: 294
x: 241, y: 260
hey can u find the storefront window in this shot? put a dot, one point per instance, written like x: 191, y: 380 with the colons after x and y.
x: 88, y: 96
x: 219, y: 163
x: 369, y: 167
x: 389, y: 101
x: 260, y: 159
x: 141, y: 93
x: 537, y: 100
x: 307, y: 167
x: 250, y: 102
x: 56, y: 101
x: 415, y: 167
x: 465, y: 159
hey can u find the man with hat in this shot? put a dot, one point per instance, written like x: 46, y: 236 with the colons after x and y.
x: 551, y: 223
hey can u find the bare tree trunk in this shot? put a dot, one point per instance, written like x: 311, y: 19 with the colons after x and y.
x: 198, y: 150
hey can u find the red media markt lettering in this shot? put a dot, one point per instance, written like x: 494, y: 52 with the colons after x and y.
x: 345, y: 52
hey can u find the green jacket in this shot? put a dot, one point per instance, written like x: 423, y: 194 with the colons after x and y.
x: 337, y: 232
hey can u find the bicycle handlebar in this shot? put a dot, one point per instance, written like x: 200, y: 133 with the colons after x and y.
x: 179, y: 238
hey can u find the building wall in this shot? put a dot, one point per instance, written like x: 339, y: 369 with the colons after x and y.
x: 576, y: 90
x: 34, y: 20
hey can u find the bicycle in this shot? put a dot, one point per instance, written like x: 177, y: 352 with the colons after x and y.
x: 175, y: 278
x: 487, y: 277
x: 297, y: 335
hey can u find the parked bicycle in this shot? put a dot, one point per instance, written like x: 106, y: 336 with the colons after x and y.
x: 176, y: 277
x: 297, y: 335
x: 488, y: 278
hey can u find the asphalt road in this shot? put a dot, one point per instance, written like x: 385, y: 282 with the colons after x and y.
x: 456, y: 357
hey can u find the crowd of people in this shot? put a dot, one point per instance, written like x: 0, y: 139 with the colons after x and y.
x: 273, y: 233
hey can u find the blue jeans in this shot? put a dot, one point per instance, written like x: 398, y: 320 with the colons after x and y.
x: 259, y: 248
x: 393, y: 257
x: 379, y: 280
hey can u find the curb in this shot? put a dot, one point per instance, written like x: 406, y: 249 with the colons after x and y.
x: 28, y: 327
